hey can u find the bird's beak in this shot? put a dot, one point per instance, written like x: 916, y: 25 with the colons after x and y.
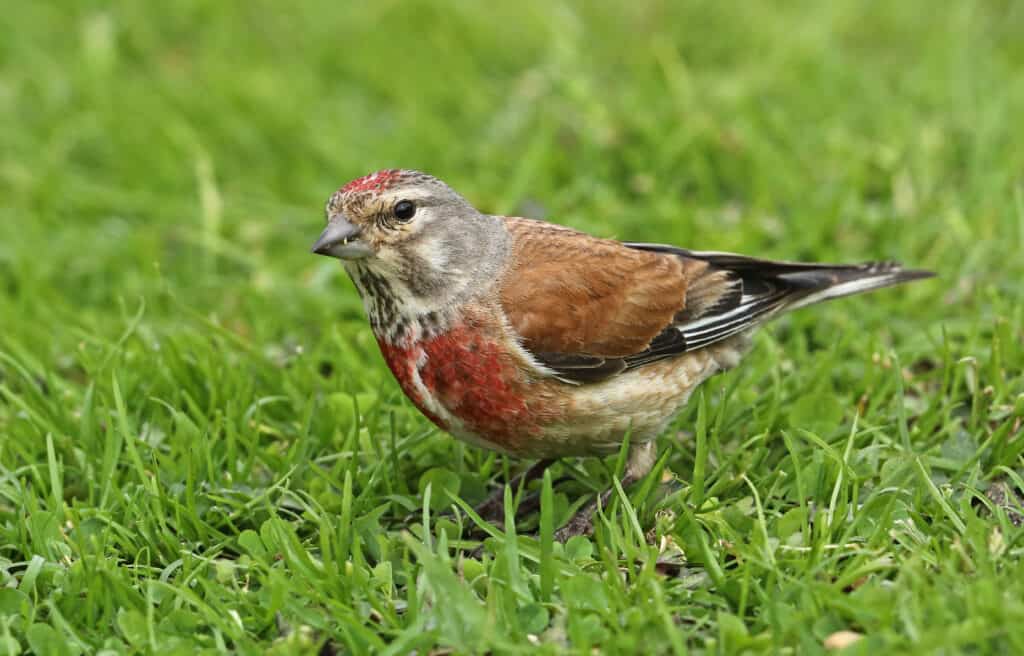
x: 341, y: 240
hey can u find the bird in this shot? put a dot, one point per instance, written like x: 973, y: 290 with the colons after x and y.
x: 543, y: 342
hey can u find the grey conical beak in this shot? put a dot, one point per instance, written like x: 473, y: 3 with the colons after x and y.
x: 341, y: 240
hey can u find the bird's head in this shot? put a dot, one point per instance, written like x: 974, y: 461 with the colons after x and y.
x: 415, y: 233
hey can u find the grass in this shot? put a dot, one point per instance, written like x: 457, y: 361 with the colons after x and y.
x: 201, y: 449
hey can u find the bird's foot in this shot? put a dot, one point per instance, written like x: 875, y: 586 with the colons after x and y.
x: 492, y: 509
x: 641, y: 459
x: 578, y: 524
x: 582, y: 522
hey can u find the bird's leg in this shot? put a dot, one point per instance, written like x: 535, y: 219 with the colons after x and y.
x: 641, y: 460
x: 493, y: 507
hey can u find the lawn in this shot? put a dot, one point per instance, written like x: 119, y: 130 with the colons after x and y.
x: 201, y: 449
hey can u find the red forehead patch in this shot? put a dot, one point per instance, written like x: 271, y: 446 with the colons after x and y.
x: 378, y: 181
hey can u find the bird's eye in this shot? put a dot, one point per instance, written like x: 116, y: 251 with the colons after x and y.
x: 404, y: 210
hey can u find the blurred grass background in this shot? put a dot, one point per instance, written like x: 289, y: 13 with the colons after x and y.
x: 200, y: 446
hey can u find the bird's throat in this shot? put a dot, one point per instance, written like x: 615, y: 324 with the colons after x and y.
x: 396, y: 315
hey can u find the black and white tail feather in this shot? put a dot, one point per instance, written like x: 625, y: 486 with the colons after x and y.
x: 765, y: 288
x: 755, y: 290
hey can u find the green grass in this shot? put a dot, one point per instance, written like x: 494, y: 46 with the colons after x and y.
x: 202, y: 451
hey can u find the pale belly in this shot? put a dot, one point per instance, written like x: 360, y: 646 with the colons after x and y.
x: 640, y: 403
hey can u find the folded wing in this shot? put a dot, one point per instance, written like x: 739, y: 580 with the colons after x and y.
x: 590, y: 308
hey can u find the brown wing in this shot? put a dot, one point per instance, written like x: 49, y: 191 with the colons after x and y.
x: 566, y: 292
x: 589, y: 308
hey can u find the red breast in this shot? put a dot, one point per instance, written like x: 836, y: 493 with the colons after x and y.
x: 472, y: 380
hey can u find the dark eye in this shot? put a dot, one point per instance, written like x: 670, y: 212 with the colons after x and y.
x: 404, y: 210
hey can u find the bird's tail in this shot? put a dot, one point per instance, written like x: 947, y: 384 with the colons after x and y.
x: 745, y: 291
x: 827, y: 281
